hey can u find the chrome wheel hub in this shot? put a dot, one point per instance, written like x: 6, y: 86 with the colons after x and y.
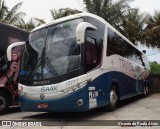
x: 113, y: 97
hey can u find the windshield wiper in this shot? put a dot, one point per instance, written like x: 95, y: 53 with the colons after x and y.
x: 42, y: 62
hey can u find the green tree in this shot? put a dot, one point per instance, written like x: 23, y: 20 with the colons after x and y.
x: 111, y: 11
x: 155, y: 68
x: 151, y: 36
x: 62, y: 12
x: 31, y: 24
x: 12, y: 16
x: 133, y: 25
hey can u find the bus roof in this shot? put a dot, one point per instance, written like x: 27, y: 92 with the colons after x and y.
x: 82, y: 15
x: 70, y: 17
x: 13, y: 27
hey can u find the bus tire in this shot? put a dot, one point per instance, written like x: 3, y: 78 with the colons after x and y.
x: 113, y: 99
x: 4, y: 102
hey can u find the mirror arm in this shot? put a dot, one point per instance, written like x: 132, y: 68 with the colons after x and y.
x: 80, y: 31
x: 9, y: 49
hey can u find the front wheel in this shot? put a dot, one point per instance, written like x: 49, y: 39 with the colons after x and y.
x: 113, y: 100
x: 4, y: 102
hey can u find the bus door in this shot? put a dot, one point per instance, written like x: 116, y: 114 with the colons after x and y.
x: 92, y: 54
x: 90, y: 51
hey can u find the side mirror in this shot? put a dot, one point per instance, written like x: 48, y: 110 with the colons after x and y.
x: 9, y: 49
x: 80, y: 31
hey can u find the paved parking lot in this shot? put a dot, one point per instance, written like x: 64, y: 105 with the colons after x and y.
x: 137, y: 108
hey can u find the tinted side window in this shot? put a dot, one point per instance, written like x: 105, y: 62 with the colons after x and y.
x: 91, y: 53
x: 99, y: 35
x: 117, y: 45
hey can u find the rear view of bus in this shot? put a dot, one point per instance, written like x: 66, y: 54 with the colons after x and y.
x: 65, y: 67
x: 9, y: 71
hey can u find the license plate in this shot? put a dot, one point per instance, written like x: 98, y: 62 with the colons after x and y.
x: 42, y: 105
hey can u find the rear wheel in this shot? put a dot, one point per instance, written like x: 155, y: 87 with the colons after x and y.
x: 4, y: 102
x: 113, y: 99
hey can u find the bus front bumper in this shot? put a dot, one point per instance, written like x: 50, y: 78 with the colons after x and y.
x: 74, y: 102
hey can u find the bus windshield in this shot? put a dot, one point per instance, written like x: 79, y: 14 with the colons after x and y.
x: 51, y: 52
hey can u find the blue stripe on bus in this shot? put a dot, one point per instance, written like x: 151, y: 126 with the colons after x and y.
x: 64, y: 104
x: 127, y: 88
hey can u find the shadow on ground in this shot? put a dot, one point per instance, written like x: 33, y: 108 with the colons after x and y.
x: 12, y: 110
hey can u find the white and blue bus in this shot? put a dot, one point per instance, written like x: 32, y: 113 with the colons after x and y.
x: 78, y: 63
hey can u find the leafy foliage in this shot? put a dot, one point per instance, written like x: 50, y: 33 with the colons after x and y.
x: 31, y: 24
x: 151, y: 35
x: 55, y: 14
x: 11, y: 16
x: 133, y: 24
x: 155, y: 68
x: 111, y: 11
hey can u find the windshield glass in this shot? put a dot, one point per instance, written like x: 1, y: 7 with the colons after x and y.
x: 51, y: 52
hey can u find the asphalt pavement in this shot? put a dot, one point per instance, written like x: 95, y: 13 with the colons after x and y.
x: 137, y: 109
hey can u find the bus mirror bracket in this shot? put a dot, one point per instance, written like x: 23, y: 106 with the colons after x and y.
x: 9, y: 49
x: 80, y: 31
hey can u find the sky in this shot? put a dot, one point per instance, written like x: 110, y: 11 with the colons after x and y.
x: 40, y: 9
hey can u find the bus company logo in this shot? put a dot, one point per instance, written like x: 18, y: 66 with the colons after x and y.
x: 48, y: 88
x: 42, y: 96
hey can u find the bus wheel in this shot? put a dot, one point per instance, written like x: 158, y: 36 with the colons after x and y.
x: 113, y: 100
x: 4, y: 102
